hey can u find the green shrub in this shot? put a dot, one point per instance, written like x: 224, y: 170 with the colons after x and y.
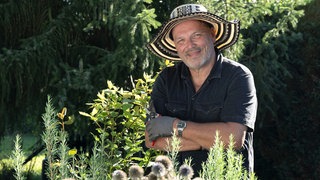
x: 119, y: 116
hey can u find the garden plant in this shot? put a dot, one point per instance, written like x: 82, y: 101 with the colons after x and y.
x: 119, y: 117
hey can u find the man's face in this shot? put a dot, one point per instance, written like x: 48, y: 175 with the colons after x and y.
x: 194, y: 42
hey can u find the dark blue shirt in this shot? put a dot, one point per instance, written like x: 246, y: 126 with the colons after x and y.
x: 227, y: 95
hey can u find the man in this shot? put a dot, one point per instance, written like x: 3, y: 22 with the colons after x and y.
x: 204, y: 93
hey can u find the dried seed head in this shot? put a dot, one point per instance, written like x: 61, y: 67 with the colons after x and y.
x: 136, y: 172
x: 186, y: 171
x: 119, y: 175
x: 152, y: 176
x: 158, y: 169
x: 165, y: 160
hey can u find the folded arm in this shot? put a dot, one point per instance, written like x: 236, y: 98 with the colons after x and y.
x: 201, y: 135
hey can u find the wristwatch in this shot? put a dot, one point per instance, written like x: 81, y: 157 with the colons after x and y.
x: 180, y: 126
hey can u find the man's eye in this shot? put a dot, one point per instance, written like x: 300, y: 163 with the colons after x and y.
x: 180, y: 41
x: 197, y: 35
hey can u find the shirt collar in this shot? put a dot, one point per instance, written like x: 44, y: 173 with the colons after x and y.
x: 217, y: 68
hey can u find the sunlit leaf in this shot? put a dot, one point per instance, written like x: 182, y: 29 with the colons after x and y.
x: 94, y: 111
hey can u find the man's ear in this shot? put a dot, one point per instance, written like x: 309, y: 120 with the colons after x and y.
x: 213, y: 34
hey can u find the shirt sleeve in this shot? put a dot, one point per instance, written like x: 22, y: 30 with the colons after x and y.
x: 159, y: 93
x: 241, y: 102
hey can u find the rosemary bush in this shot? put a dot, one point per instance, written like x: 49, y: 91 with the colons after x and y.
x: 50, y: 137
x: 18, y: 158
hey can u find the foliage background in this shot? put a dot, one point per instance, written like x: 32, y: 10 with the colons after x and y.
x: 69, y: 49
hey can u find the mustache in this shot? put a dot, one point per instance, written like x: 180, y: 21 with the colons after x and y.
x: 193, y: 49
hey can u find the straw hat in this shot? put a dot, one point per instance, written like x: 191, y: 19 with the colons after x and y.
x: 227, y: 32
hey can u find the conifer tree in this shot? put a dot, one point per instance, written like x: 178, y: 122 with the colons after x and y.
x: 68, y: 49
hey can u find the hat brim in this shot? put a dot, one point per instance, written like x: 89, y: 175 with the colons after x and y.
x: 227, y: 33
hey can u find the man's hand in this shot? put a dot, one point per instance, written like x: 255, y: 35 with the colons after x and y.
x: 161, y: 126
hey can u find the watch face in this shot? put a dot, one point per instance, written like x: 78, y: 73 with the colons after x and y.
x: 181, y: 124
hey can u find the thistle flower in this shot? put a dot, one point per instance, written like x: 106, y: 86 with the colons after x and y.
x: 186, y: 172
x: 136, y: 172
x: 158, y: 169
x: 152, y: 176
x: 119, y: 175
x: 165, y: 160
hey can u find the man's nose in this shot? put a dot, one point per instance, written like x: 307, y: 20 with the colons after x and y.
x: 191, y: 42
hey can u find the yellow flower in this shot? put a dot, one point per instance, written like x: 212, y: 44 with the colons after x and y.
x: 62, y: 113
x: 72, y: 152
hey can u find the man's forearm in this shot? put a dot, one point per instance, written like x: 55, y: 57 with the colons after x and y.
x: 164, y: 143
x: 204, y: 134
